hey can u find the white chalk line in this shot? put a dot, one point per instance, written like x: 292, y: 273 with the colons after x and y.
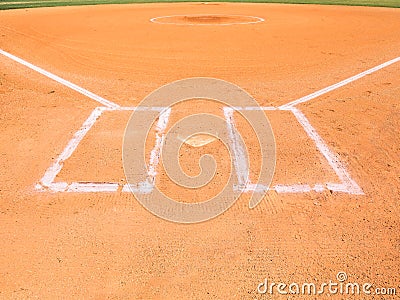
x: 137, y: 108
x: 156, y: 151
x: 338, y: 85
x: 111, y: 187
x: 239, y: 154
x: 155, y: 20
x: 247, y: 108
x: 348, y: 185
x: 47, y: 182
x: 90, y: 187
x: 56, y: 167
x: 291, y: 188
x: 64, y: 82
x: 351, y: 186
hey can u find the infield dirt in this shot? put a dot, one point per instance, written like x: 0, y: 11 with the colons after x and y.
x: 106, y: 245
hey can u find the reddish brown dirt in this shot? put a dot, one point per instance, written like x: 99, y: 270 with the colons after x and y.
x: 206, y: 20
x: 101, y: 246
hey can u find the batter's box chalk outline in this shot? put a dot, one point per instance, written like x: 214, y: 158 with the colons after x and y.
x: 346, y: 185
x: 47, y: 182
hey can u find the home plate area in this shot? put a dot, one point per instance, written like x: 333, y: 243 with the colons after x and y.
x: 92, y: 160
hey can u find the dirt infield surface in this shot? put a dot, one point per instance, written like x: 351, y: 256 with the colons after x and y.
x: 334, y: 202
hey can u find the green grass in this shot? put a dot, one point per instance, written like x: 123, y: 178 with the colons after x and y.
x: 11, y: 4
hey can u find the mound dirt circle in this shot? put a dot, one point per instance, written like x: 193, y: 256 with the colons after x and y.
x: 207, y: 20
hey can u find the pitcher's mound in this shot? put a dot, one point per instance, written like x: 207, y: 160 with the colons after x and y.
x: 207, y: 20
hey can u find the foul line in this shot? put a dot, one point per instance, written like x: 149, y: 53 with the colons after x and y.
x: 338, y: 85
x: 64, y: 82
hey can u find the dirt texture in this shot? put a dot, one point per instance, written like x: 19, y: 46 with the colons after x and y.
x: 106, y: 245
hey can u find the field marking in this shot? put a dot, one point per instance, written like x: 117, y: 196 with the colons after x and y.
x: 90, y: 187
x: 154, y: 20
x: 332, y: 159
x: 338, y: 85
x: 347, y: 185
x: 143, y: 188
x: 47, y: 182
x: 239, y: 154
x: 64, y: 82
x: 247, y: 108
x: 136, y: 108
x: 156, y: 151
x: 289, y: 188
x: 55, y: 168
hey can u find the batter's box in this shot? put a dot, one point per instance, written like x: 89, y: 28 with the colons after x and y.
x: 91, y: 162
